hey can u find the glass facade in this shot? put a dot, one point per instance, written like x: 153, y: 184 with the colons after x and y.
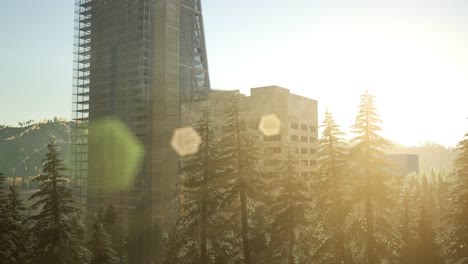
x: 135, y: 62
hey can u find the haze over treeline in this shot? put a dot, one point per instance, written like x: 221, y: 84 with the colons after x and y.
x: 23, y: 146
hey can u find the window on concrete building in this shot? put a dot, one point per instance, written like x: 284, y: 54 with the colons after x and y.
x: 313, y: 151
x: 304, y: 151
x: 294, y: 137
x: 304, y: 127
x: 272, y: 138
x: 305, y: 163
x: 276, y: 149
x: 304, y: 139
x: 312, y: 139
x: 313, y: 128
x: 305, y: 173
x: 294, y: 125
x: 313, y: 162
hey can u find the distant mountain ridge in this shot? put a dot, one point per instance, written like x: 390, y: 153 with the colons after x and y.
x: 22, y: 149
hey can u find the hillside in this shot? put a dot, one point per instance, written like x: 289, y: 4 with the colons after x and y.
x: 22, y: 149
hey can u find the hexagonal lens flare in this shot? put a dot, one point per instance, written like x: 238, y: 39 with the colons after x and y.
x: 270, y: 125
x: 185, y: 141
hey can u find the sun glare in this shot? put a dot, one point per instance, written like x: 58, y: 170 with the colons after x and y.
x: 407, y: 67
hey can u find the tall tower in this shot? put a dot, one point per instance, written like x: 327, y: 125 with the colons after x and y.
x: 135, y: 61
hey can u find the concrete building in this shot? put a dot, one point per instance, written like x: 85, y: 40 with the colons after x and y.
x: 298, y: 129
x: 135, y: 62
x: 298, y: 116
x: 406, y: 163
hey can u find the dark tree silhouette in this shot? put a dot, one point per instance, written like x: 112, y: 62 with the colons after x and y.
x: 15, y: 213
x: 57, y: 234
x: 7, y: 245
x: 100, y: 245
x: 243, y: 183
x: 114, y: 228
x: 199, y: 195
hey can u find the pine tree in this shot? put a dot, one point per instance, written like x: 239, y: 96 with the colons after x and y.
x: 405, y: 232
x: 409, y: 201
x: 373, y: 193
x: 136, y: 234
x: 12, y: 241
x: 7, y: 245
x: 243, y: 187
x: 199, y: 200
x: 442, y: 220
x: 459, y: 212
x: 441, y: 197
x: 115, y: 230
x: 56, y: 232
x: 100, y: 245
x: 289, y: 210
x: 425, y: 247
x: 426, y: 250
x: 261, y: 236
x: 331, y: 188
x: 15, y: 209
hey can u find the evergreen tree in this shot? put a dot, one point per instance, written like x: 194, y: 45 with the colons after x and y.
x: 443, y: 221
x: 261, y: 236
x: 426, y: 250
x: 440, y: 197
x: 109, y: 216
x: 136, y: 234
x: 115, y: 230
x: 373, y: 193
x: 15, y: 209
x: 459, y: 214
x: 7, y: 245
x: 199, y: 194
x: 56, y: 232
x: 289, y: 211
x: 243, y: 187
x: 405, y: 232
x: 409, y: 202
x: 100, y: 245
x: 418, y: 234
x: 331, y: 188
x: 12, y: 241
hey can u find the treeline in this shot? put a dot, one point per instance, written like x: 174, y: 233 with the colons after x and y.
x: 22, y: 184
x: 352, y: 209
x: 431, y: 155
x: 55, y: 233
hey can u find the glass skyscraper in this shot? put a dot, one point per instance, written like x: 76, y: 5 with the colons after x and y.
x: 136, y: 61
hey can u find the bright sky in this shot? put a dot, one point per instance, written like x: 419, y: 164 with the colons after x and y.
x: 411, y: 54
